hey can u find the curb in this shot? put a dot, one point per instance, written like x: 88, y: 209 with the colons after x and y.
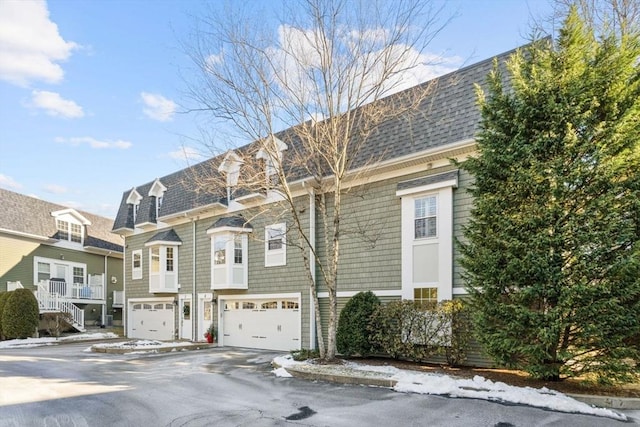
x: 109, y: 350
x: 609, y: 402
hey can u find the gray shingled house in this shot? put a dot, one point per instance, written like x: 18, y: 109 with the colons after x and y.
x: 178, y: 279
x: 69, y: 258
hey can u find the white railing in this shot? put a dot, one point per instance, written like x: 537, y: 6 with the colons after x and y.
x: 94, y: 290
x: 118, y: 298
x: 12, y: 286
x: 51, y: 302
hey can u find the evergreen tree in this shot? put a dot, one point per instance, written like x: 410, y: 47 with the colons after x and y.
x: 552, y: 249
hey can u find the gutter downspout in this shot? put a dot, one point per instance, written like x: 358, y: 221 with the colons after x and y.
x: 194, y: 301
x: 312, y: 264
x: 124, y: 287
x: 105, y: 297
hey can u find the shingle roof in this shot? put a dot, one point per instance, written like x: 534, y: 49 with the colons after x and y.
x: 427, y: 180
x: 24, y: 214
x: 236, y: 221
x: 447, y: 115
x: 165, y: 236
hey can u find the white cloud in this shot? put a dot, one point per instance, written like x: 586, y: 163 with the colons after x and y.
x: 9, y: 183
x: 55, y: 105
x: 158, y: 107
x: 94, y: 143
x: 55, y: 189
x: 186, y: 153
x: 30, y: 45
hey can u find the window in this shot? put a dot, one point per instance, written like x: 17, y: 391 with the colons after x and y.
x: 169, y: 260
x: 69, y: 231
x: 425, y: 217
x: 219, y: 250
x: 290, y: 305
x: 426, y: 297
x: 248, y: 305
x: 275, y: 245
x: 44, y: 271
x: 237, y: 250
x: 270, y: 305
x: 136, y: 264
x: 155, y: 260
x: 63, y: 229
x: 229, y: 267
x: 163, y: 268
x: 78, y: 275
x: 135, y: 212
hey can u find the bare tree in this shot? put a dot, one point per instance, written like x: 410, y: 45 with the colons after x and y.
x: 308, y: 97
x: 620, y: 16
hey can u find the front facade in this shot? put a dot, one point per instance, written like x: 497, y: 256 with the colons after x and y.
x: 69, y: 258
x: 193, y: 258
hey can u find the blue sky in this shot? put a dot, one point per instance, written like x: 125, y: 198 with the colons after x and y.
x: 90, y: 90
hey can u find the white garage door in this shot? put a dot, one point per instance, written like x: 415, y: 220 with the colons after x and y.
x: 271, y: 324
x: 151, y: 320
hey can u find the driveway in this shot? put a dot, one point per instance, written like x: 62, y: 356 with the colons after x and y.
x: 67, y: 386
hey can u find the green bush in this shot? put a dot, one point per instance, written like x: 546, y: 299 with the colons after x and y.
x: 20, y: 316
x: 403, y: 329
x: 3, y: 300
x: 353, y: 336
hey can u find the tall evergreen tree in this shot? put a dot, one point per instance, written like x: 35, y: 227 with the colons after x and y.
x: 552, y: 249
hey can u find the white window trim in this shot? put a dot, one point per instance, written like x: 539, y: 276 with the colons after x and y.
x: 425, y: 196
x: 162, y: 272
x: 444, y: 239
x: 52, y: 261
x: 136, y: 272
x: 230, y: 234
x: 281, y: 227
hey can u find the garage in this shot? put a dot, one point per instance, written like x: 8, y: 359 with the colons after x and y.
x: 266, y: 323
x: 152, y: 320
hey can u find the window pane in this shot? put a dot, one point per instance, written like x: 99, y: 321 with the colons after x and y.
x: 44, y: 271
x: 78, y: 275
x: 425, y: 219
x: 76, y: 233
x: 219, y: 251
x: 155, y: 260
x: 63, y: 230
x: 169, y: 259
x: 237, y: 250
x: 137, y: 260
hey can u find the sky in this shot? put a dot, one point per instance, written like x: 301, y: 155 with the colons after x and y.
x: 92, y: 92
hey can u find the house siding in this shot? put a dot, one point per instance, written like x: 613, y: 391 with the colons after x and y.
x: 462, y: 205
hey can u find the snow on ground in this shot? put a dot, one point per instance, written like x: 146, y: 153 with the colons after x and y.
x: 140, y: 346
x: 37, y: 342
x: 440, y: 384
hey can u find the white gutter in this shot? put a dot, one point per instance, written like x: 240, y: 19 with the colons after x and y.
x: 28, y: 235
x: 125, y: 307
x: 194, y: 300
x: 312, y: 264
x: 106, y: 281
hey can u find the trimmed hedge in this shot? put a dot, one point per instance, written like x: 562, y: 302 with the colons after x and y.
x: 20, y: 316
x: 352, y: 336
x: 3, y: 300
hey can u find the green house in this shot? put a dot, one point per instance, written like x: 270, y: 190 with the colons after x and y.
x: 69, y: 258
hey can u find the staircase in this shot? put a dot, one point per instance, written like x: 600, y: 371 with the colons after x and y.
x: 50, y: 302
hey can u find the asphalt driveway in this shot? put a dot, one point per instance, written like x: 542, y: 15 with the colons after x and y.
x: 67, y: 386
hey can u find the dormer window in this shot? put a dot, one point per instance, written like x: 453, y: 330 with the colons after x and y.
x: 70, y: 226
x: 157, y: 190
x: 272, y: 153
x: 69, y: 231
x: 134, y: 200
x: 230, y: 166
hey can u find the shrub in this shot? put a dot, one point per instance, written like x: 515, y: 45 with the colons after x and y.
x: 353, y: 336
x: 304, y: 354
x: 56, y: 323
x: 20, y: 316
x: 3, y: 300
x: 403, y: 329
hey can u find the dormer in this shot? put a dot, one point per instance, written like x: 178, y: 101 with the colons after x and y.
x: 134, y: 202
x: 157, y: 192
x: 230, y: 166
x: 272, y: 153
x: 70, y: 226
